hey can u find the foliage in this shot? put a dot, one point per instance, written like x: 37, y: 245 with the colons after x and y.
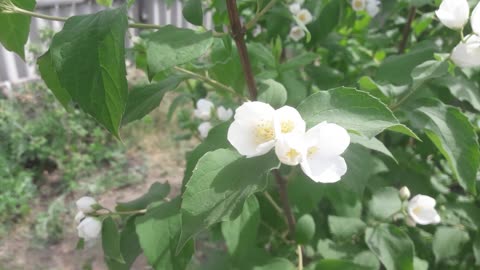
x: 382, y: 75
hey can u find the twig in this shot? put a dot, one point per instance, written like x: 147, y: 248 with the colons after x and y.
x: 282, y: 189
x: 63, y: 19
x: 273, y: 203
x: 210, y: 81
x: 300, y: 257
x: 237, y: 32
x: 406, y: 30
x: 259, y: 14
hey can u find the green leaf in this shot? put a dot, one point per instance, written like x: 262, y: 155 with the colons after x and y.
x: 106, y: 3
x: 276, y: 264
x: 142, y: 100
x: 304, y: 229
x: 298, y: 61
x: 345, y: 227
x: 396, y: 69
x: 352, y: 109
x: 47, y: 71
x: 273, y: 93
x: 241, y: 233
x: 331, y: 264
x: 392, y: 246
x: 427, y: 71
x: 159, y: 231
x: 219, y: 186
x: 462, y: 88
x: 98, y: 84
x: 328, y: 18
x: 129, y: 247
x: 111, y: 240
x: 193, y: 12
x: 16, y: 27
x: 384, y: 203
x: 448, y: 242
x: 296, y: 89
x: 172, y: 46
x: 476, y: 249
x: 156, y: 192
x: 454, y: 136
x: 372, y: 143
x: 216, y: 139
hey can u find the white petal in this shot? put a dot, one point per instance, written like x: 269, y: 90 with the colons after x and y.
x: 79, y: 217
x: 224, y: 114
x: 254, y: 111
x: 358, y: 5
x: 475, y: 19
x: 453, y: 13
x: 467, y: 54
x: 372, y: 7
x: 204, y: 128
x: 89, y: 228
x: 423, y: 201
x: 328, y: 140
x: 296, y: 33
x: 241, y: 135
x: 288, y: 120
x: 421, y: 209
x: 328, y: 170
x: 290, y: 149
x: 85, y: 204
x: 304, y: 16
x: 204, y: 109
x: 294, y: 8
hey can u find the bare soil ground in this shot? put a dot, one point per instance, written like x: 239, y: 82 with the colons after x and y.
x: 164, y: 159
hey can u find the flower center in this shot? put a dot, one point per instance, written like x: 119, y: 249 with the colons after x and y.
x: 302, y: 17
x: 358, y: 4
x: 264, y: 132
x: 292, y: 154
x: 312, y: 150
x: 287, y: 126
x: 417, y: 210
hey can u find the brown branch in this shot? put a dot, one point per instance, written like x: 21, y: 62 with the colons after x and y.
x: 406, y: 30
x: 282, y: 189
x: 238, y: 32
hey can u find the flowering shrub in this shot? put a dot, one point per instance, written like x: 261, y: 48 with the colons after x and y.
x: 375, y: 101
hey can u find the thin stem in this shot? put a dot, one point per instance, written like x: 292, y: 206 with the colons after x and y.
x: 257, y: 16
x: 300, y: 257
x: 406, y: 30
x: 210, y: 81
x: 63, y: 19
x: 238, y: 32
x: 273, y: 203
x: 282, y: 189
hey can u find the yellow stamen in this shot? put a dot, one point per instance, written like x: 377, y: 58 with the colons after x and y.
x: 287, y: 126
x: 312, y: 150
x: 417, y: 210
x: 292, y: 154
x: 264, y: 132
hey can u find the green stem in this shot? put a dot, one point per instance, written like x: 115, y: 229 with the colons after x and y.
x: 262, y: 12
x: 63, y: 19
x: 300, y: 257
x: 210, y: 81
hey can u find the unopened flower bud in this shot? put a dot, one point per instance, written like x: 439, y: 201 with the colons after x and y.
x: 79, y: 217
x: 86, y: 204
x: 89, y: 229
x: 404, y: 193
x: 410, y: 222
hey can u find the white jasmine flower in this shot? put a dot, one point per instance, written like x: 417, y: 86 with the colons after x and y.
x: 204, y: 128
x: 224, y: 114
x: 288, y: 120
x: 372, y: 7
x: 296, y: 33
x: 453, y: 13
x: 475, y: 19
x: 86, y: 204
x: 467, y: 54
x: 358, y: 5
x: 89, y: 229
x: 304, y: 16
x: 252, y: 132
x: 204, y: 109
x: 325, y: 143
x: 79, y: 217
x: 421, y: 210
x: 294, y: 8
x: 404, y: 193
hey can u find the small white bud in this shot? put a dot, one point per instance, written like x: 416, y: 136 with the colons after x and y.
x: 404, y: 193
x: 296, y: 33
x: 79, y: 217
x: 453, y: 13
x: 204, y: 128
x: 86, y: 204
x: 89, y: 229
x: 224, y: 114
x: 204, y: 109
x: 410, y: 222
x: 294, y: 8
x: 467, y: 54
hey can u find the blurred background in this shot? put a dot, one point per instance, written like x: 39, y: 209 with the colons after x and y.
x: 49, y: 157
